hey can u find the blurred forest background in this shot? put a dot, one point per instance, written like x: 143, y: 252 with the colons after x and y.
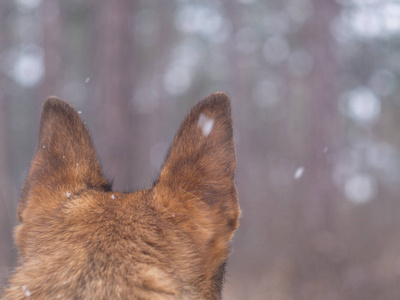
x: 314, y: 86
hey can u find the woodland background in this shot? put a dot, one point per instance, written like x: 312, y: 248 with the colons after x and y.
x: 314, y: 86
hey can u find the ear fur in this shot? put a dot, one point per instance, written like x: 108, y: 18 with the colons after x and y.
x: 196, y: 182
x: 65, y: 160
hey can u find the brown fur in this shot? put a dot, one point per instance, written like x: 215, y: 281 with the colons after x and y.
x: 168, y: 242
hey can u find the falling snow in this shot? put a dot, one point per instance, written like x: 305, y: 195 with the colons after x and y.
x: 206, y: 124
x: 27, y: 293
x: 112, y: 196
x: 68, y: 194
x: 299, y: 172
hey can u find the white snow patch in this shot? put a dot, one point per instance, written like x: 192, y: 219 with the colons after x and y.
x: 206, y: 124
x: 112, y: 196
x: 27, y: 293
x: 299, y: 172
x: 68, y: 194
x: 79, y: 112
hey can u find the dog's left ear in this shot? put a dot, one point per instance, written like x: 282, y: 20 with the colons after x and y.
x: 65, y: 160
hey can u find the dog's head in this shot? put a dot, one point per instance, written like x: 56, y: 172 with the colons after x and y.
x: 80, y: 239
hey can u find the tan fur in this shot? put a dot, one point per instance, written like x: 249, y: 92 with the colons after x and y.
x: 78, y: 239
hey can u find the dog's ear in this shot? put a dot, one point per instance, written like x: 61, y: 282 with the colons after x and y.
x: 65, y: 161
x: 196, y: 184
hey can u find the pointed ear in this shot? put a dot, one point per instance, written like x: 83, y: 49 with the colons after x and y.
x: 65, y: 160
x: 196, y: 183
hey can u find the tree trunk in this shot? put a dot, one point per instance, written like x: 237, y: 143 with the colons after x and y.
x: 112, y: 79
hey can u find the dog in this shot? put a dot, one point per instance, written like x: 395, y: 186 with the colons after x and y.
x: 79, y: 239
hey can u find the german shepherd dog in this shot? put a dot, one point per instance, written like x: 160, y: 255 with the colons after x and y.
x: 79, y: 239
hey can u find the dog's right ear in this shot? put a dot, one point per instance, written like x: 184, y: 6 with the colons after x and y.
x: 65, y: 161
x: 196, y: 184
